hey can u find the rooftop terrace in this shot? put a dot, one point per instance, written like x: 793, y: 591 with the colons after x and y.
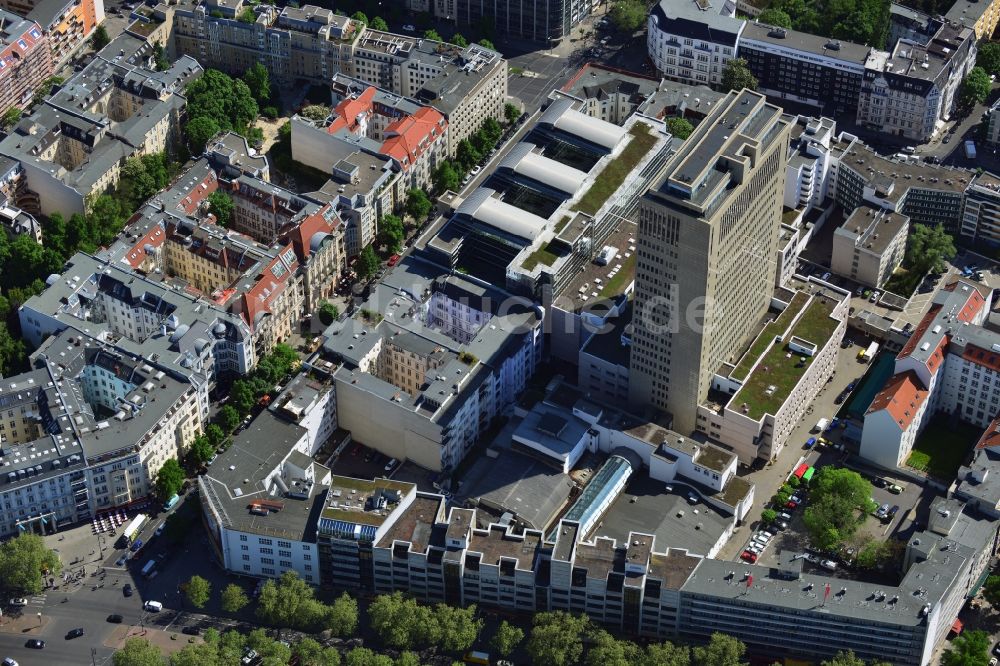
x: 767, y: 336
x: 349, y: 499
x: 780, y: 370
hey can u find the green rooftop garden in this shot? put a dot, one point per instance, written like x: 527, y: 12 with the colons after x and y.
x: 766, y: 337
x: 780, y: 372
x: 542, y: 255
x: 788, y: 215
x: 617, y: 284
x: 561, y: 224
x: 615, y: 172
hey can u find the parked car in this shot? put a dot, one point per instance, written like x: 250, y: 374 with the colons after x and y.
x: 811, y: 442
x: 74, y: 633
x: 18, y: 602
x: 391, y: 465
x: 191, y: 631
x: 879, y: 482
x: 748, y: 556
x: 692, y: 498
x: 882, y: 511
x: 874, y: 297
x: 894, y: 489
x: 115, y: 619
x: 829, y: 565
x: 409, y: 28
x: 127, y: 590
x: 7, y: 661
x: 784, y: 516
x: 153, y: 606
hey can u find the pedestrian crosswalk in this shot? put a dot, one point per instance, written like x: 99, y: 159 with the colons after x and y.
x: 37, y: 600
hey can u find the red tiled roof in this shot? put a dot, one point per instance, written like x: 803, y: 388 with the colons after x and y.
x: 973, y: 304
x: 348, y: 110
x: 258, y: 298
x: 13, y: 53
x: 408, y: 138
x: 301, y: 234
x: 198, y: 193
x: 991, y: 437
x: 154, y: 238
x: 919, y: 331
x: 980, y: 356
x: 902, y: 397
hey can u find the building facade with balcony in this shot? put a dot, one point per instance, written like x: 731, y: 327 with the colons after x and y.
x: 691, y: 41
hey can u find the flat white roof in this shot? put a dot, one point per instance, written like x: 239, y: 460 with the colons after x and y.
x: 547, y: 171
x: 483, y: 207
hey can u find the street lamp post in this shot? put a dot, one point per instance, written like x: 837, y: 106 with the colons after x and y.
x: 39, y: 618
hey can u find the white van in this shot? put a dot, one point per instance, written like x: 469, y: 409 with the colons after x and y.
x: 153, y: 606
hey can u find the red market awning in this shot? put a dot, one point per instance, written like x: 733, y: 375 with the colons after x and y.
x: 956, y: 626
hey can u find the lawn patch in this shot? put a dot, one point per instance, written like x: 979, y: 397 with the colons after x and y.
x: 615, y: 172
x: 942, y: 447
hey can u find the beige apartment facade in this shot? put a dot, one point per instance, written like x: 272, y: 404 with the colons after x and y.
x: 869, y: 245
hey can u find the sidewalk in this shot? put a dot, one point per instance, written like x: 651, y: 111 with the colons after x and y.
x: 25, y: 624
x: 168, y: 641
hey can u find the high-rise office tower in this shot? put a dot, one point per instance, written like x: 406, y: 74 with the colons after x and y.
x: 708, y: 234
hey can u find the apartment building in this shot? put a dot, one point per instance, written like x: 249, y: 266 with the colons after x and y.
x: 926, y: 194
x: 706, y: 246
x: 84, y: 432
x: 74, y: 144
x: 545, y: 21
x: 610, y: 94
x: 869, y: 245
x: 362, y: 188
x: 260, y: 498
x: 66, y: 24
x: 692, y: 40
x: 466, y: 85
x: 26, y: 60
x: 412, y: 135
x: 908, y: 23
x: 387, y: 536
x: 270, y: 286
x: 410, y: 381
x: 263, y: 209
x: 948, y: 365
x: 981, y: 215
x: 294, y: 43
x: 803, y: 68
x: 784, y: 612
x: 807, y: 176
x: 107, y: 300
x: 320, y: 246
x: 755, y: 403
x: 673, y: 98
x: 910, y: 91
x: 976, y: 483
x: 980, y: 17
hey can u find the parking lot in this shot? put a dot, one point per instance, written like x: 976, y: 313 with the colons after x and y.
x: 904, y: 506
